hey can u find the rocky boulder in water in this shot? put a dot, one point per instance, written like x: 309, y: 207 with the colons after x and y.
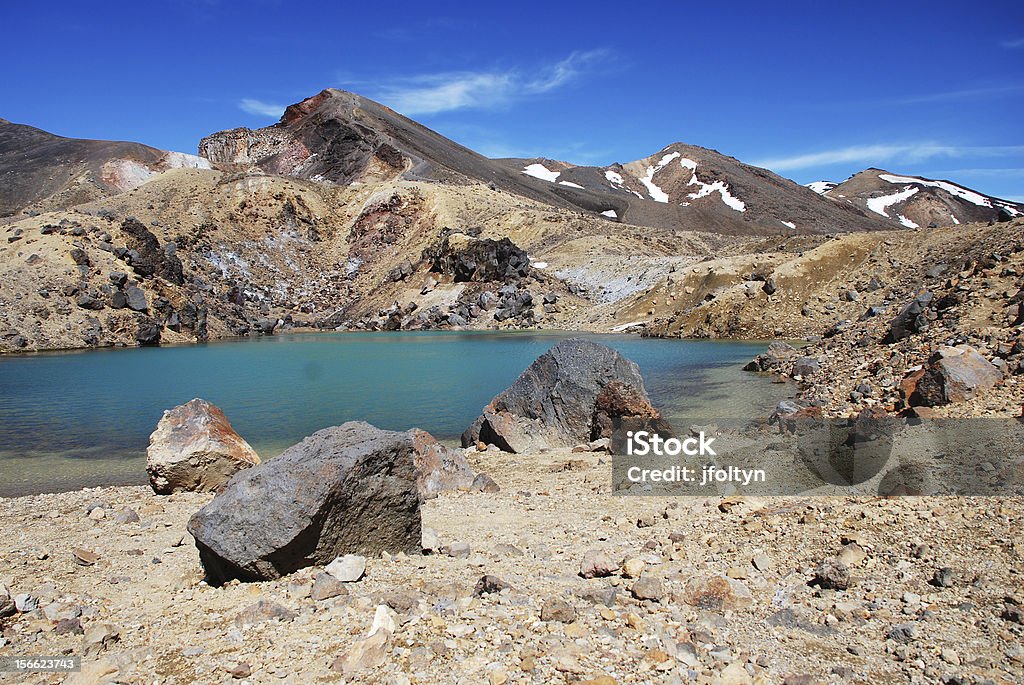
x: 194, y: 447
x: 554, y: 403
x: 349, y: 489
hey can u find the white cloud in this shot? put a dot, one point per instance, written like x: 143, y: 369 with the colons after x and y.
x: 444, y: 92
x: 875, y: 154
x: 1013, y: 44
x: 260, y: 108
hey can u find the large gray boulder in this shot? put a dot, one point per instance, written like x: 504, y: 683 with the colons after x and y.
x: 555, y: 402
x: 349, y: 489
x: 194, y: 447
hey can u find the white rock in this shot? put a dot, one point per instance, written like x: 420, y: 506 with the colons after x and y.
x: 348, y: 568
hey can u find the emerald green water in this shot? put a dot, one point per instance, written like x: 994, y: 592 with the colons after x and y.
x: 72, y: 420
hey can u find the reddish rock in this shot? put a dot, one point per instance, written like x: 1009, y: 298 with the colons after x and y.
x: 954, y: 374
x: 438, y: 468
x: 194, y: 447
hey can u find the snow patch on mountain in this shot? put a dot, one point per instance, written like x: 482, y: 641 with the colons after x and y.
x: 610, y: 213
x: 706, y: 189
x: 878, y: 205
x: 656, y: 193
x: 570, y: 184
x: 613, y: 177
x: 542, y: 172
x: 907, y: 222
x: 790, y: 224
x: 962, y: 193
x: 822, y: 187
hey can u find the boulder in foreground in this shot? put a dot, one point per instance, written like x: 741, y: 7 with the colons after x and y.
x: 194, y: 447
x: 569, y: 395
x: 349, y: 489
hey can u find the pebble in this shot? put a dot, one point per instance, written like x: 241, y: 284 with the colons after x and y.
x: 943, y: 577
x: 557, y: 609
x: 648, y: 588
x: 761, y: 562
x: 852, y: 554
x: 832, y: 574
x: 633, y: 568
x: 348, y: 568
x: 489, y: 585
x: 597, y: 564
x: 458, y: 550
x: 326, y: 586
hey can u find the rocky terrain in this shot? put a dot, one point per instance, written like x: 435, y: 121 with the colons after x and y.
x: 704, y: 590
x: 347, y: 216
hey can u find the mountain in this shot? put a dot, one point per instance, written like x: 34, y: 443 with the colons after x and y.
x: 914, y: 201
x: 43, y: 171
x: 694, y: 187
x: 343, y: 138
x: 345, y: 215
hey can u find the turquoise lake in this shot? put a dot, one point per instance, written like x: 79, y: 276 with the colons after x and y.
x: 71, y: 420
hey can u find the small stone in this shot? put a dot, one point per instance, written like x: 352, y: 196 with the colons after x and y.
x: 25, y: 602
x: 950, y: 656
x: 761, y: 562
x: 733, y: 674
x: 326, y: 586
x: 832, y: 574
x: 648, y: 588
x: 263, y: 610
x: 100, y: 636
x: 127, y: 515
x: 66, y: 626
x: 489, y: 585
x: 240, y: 670
x: 557, y: 609
x: 497, y: 677
x: 852, y: 554
x: 85, y: 557
x: 633, y: 568
x: 98, y: 514
x: 903, y: 633
x: 484, y: 483
x: 348, y: 568
x: 716, y: 593
x: 597, y: 564
x: 458, y: 550
x: 600, y: 680
x: 943, y: 577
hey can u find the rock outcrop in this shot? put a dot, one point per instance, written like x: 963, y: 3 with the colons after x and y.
x: 554, y: 403
x: 194, y: 447
x: 343, y: 490
x: 466, y: 258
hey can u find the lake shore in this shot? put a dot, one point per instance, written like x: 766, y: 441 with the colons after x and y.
x: 138, y: 594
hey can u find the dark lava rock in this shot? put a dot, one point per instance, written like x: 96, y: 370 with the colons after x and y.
x: 552, y: 404
x: 135, y: 298
x: 148, y: 332
x: 911, y: 319
x: 349, y: 489
x: 79, y: 257
x: 89, y: 301
x: 150, y: 258
x: 477, y: 259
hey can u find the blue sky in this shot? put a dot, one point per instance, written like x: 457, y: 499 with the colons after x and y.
x: 812, y: 90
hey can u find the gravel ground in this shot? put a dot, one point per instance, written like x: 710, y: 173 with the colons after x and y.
x: 730, y: 591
